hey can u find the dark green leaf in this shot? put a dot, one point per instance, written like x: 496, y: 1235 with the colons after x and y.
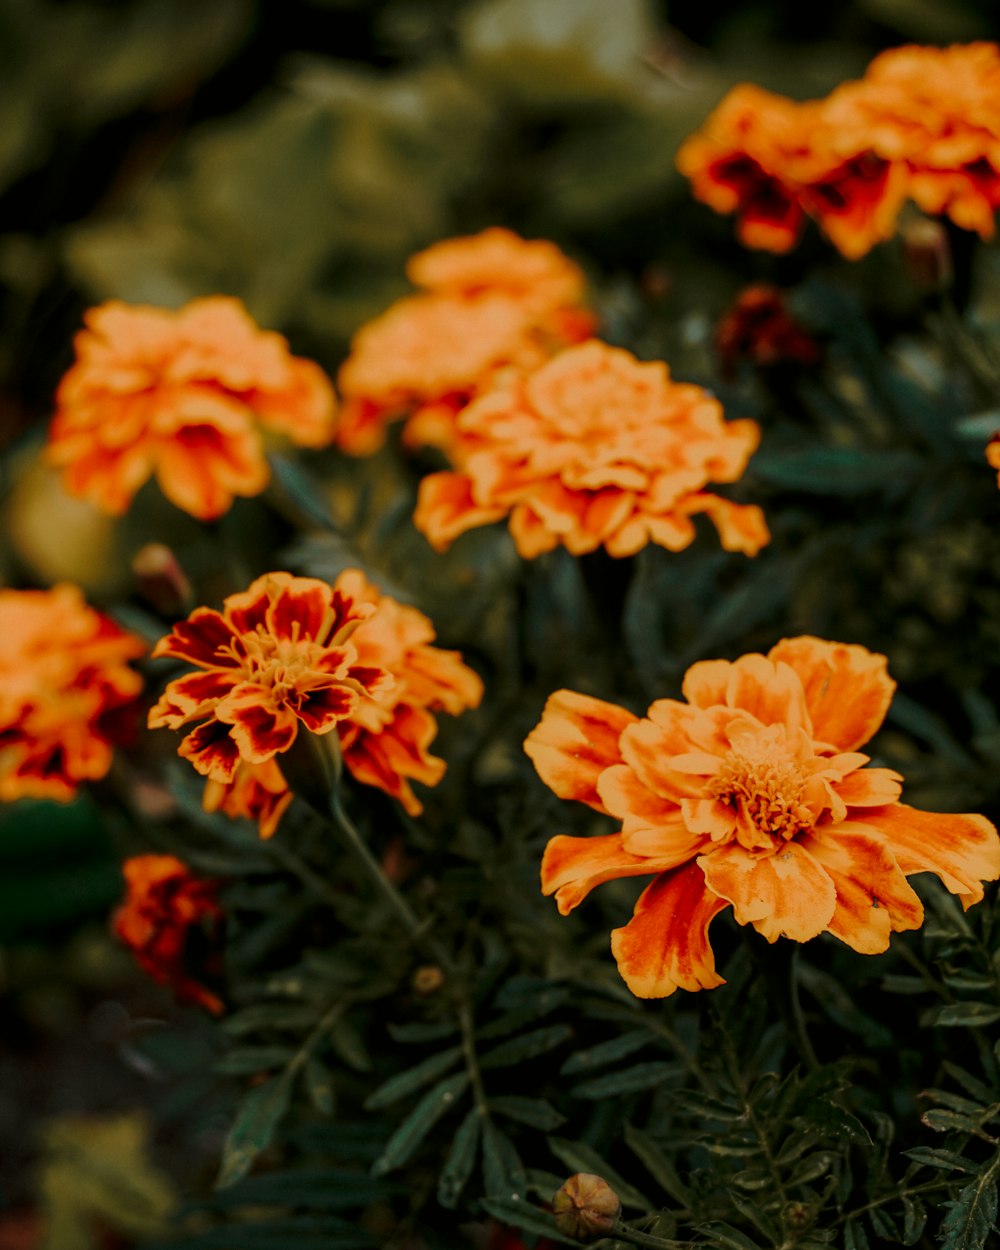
x: 246, y: 1060
x: 694, y: 1103
x: 855, y: 1237
x: 534, y: 1111
x: 431, y: 1031
x: 527, y: 1218
x: 607, y: 1052
x: 932, y: 1158
x: 725, y: 1237
x: 253, y: 1128
x: 836, y: 470
x: 503, y: 1172
x: 407, y: 1138
x: 461, y: 1158
x: 270, y: 1016
x: 656, y: 1163
x: 640, y: 1076
x: 317, y: 1188
x: 967, y: 1014
x: 833, y: 1121
x: 972, y: 1215
x: 519, y: 1049
x: 318, y: 1081
x: 914, y: 1220
x: 404, y: 1083
x: 811, y: 1168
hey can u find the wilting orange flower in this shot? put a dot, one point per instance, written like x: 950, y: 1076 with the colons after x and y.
x: 751, y: 794
x: 65, y: 688
x: 490, y: 303
x: 278, y: 656
x: 759, y: 328
x: 384, y: 741
x: 182, y: 395
x: 923, y: 124
x: 595, y: 448
x: 170, y: 921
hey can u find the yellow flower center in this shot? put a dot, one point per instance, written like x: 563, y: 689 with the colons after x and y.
x: 764, y: 781
x: 286, y: 666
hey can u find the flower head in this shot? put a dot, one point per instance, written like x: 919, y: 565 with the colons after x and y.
x: 65, y: 684
x: 759, y: 328
x: 165, y: 909
x: 279, y: 656
x: 750, y: 794
x: 595, y: 448
x: 490, y: 303
x: 182, y: 395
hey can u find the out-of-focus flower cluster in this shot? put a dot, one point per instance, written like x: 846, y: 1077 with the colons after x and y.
x: 65, y: 692
x: 183, y: 396
x: 923, y: 124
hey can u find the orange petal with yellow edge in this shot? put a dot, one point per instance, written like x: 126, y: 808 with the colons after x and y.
x: 787, y: 894
x: 848, y: 688
x: 573, y: 743
x: 874, y: 898
x: 634, y: 804
x: 665, y: 945
x: 870, y: 787
x: 963, y: 850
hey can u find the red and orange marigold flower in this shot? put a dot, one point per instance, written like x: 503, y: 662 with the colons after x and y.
x: 170, y: 921
x: 595, y: 448
x: 489, y: 303
x: 294, y: 653
x: 183, y: 395
x: 65, y: 691
x: 922, y: 124
x: 750, y: 794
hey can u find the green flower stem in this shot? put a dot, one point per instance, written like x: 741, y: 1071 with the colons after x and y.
x: 417, y: 929
x: 633, y: 1237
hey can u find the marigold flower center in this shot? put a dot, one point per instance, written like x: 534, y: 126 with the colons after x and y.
x: 764, y: 782
x: 283, y: 665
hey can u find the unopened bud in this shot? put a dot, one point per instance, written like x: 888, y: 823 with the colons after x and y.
x: 586, y: 1208
x: 927, y: 254
x: 161, y: 580
x: 427, y: 979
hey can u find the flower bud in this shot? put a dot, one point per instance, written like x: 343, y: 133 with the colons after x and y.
x: 161, y: 580
x: 586, y: 1208
x: 927, y: 254
x: 427, y: 979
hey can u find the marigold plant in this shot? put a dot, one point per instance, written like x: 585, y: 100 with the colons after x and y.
x: 751, y: 794
x: 183, y: 396
x: 65, y: 690
x: 491, y: 302
x: 385, y: 740
x: 594, y: 449
x: 165, y: 908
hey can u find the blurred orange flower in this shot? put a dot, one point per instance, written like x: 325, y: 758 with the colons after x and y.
x: 935, y: 113
x: 65, y: 691
x: 165, y: 910
x: 491, y: 302
x: 384, y: 741
x: 595, y: 448
x: 922, y: 124
x: 278, y: 656
x: 742, y: 161
x: 993, y: 453
x: 751, y: 794
x: 182, y: 395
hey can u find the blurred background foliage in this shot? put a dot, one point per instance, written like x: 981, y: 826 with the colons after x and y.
x: 295, y: 155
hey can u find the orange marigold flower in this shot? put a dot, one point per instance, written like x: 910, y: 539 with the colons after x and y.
x: 182, y: 395
x: 742, y: 162
x: 993, y: 453
x: 935, y: 112
x: 595, y: 448
x: 751, y: 794
x: 385, y: 741
x: 278, y: 655
x: 65, y: 686
x: 490, y: 302
x: 165, y: 910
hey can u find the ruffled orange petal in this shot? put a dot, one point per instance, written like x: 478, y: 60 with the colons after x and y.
x: 445, y: 508
x: 870, y: 787
x: 200, y: 468
x: 963, y: 850
x: 769, y: 691
x: 301, y: 609
x: 665, y: 945
x: 650, y: 751
x: 261, y: 728
x: 873, y: 896
x: 787, y: 894
x: 572, y: 867
x: 576, y: 739
x: 625, y: 797
x: 848, y: 689
x: 203, y: 639
x: 211, y: 750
